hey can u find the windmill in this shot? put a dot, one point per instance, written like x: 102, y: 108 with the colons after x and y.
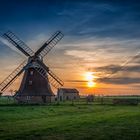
x: 35, y: 85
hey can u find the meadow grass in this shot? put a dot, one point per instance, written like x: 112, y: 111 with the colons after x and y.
x: 67, y: 121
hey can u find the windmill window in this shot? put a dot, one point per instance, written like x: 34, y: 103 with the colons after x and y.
x: 67, y: 97
x: 31, y: 72
x: 28, y: 98
x: 30, y: 82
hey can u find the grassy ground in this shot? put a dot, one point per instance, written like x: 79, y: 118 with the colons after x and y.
x: 70, y: 122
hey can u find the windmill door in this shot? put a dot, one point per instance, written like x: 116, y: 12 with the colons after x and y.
x: 44, y: 99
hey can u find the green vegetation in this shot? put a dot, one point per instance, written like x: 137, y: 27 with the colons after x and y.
x: 78, y: 121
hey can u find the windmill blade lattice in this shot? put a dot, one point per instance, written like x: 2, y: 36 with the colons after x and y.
x: 53, y: 79
x: 49, y: 44
x: 12, y: 38
x: 13, y: 76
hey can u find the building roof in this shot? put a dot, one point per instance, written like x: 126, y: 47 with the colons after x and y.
x: 69, y: 90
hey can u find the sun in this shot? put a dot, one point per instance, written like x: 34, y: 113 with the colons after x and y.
x: 91, y: 84
x: 89, y: 76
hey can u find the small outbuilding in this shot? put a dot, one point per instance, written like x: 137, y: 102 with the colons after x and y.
x: 70, y: 94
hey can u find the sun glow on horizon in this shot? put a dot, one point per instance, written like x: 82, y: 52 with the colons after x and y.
x: 89, y: 76
x: 90, y: 79
x: 91, y: 84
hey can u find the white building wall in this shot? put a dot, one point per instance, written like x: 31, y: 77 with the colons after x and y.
x: 62, y: 96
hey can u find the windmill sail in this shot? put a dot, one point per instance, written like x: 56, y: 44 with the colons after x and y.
x: 49, y: 44
x: 12, y: 38
x: 12, y: 77
x: 53, y: 79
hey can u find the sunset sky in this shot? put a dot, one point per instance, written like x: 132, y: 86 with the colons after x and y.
x: 100, y: 49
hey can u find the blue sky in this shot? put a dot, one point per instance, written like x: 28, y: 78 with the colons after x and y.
x: 99, y: 36
x: 88, y: 18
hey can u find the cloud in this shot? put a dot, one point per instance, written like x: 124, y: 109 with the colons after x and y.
x: 8, y: 44
x: 4, y: 42
x: 115, y: 74
x: 103, y: 19
x: 97, y: 51
x: 122, y: 80
x: 76, y: 81
x: 82, y: 54
x: 115, y: 68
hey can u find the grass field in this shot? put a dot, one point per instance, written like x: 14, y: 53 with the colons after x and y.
x: 70, y: 122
